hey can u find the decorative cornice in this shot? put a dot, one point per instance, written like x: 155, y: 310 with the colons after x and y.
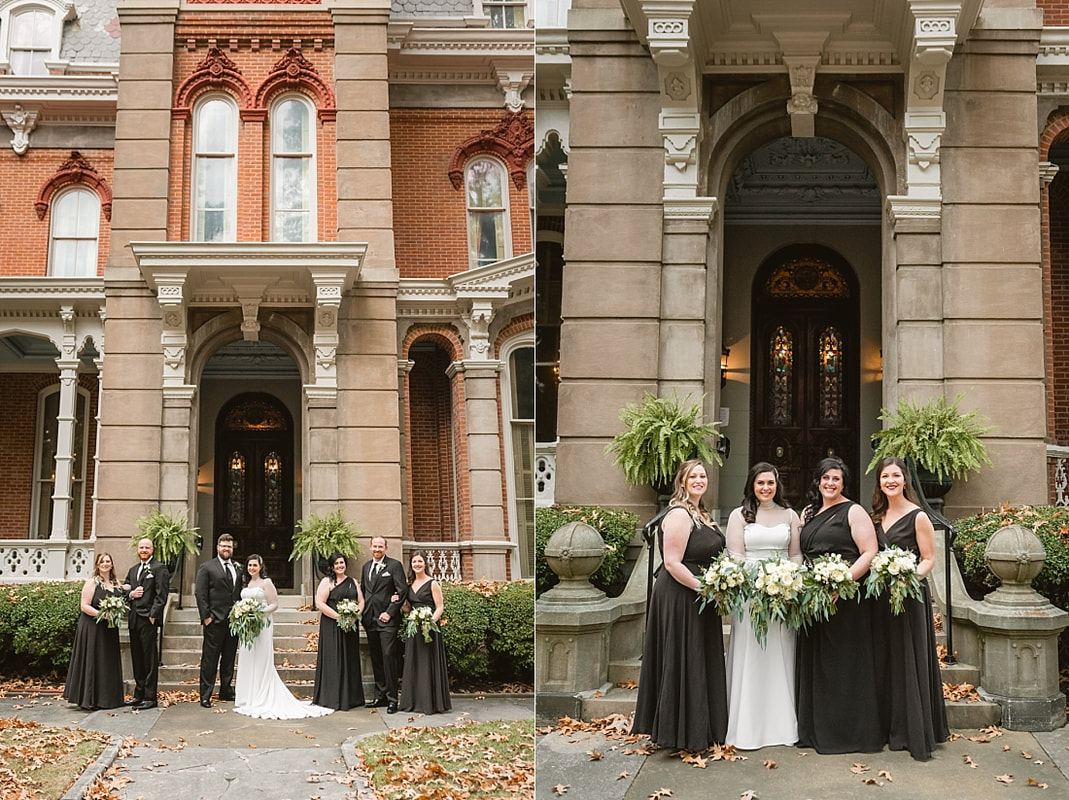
x: 294, y: 71
x: 52, y: 288
x: 903, y: 207
x: 450, y: 298
x: 75, y: 169
x: 215, y: 70
x: 512, y: 140
x: 693, y: 208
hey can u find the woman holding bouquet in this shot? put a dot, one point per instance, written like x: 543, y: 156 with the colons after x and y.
x: 425, y: 683
x: 338, y: 683
x: 682, y: 690
x: 838, y: 703
x: 94, y: 678
x: 259, y: 691
x: 760, y: 676
x: 912, y: 686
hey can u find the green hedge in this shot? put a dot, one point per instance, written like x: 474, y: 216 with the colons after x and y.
x: 467, y: 618
x: 37, y: 623
x: 617, y: 527
x: 1050, y: 524
x: 511, y: 632
x: 489, y: 632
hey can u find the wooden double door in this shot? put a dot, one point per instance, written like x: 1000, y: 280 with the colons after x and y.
x: 805, y: 357
x: 254, y: 475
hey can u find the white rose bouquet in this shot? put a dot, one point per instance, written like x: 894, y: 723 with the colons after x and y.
x: 827, y: 577
x: 348, y: 615
x: 775, y: 595
x: 247, y: 618
x: 894, y: 570
x: 113, y: 610
x: 419, y: 620
x: 724, y: 584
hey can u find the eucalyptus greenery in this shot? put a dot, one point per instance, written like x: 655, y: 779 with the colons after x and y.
x: 660, y: 433
x: 170, y: 534
x: 323, y: 535
x: 935, y: 436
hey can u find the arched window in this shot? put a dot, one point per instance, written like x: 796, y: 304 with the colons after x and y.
x: 489, y: 236
x: 293, y: 196
x: 215, y: 148
x: 31, y: 41
x: 520, y: 447
x: 47, y: 446
x: 75, y: 230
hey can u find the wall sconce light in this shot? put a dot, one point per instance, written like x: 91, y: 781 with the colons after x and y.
x: 724, y: 353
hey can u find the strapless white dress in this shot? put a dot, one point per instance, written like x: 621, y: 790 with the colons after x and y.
x: 259, y: 691
x: 761, y: 706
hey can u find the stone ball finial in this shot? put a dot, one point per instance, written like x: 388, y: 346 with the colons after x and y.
x: 1015, y: 555
x: 575, y: 551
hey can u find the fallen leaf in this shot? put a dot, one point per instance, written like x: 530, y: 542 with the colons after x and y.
x: 1036, y: 783
x: 857, y: 769
x: 252, y: 745
x: 622, y: 775
x: 627, y: 685
x: 885, y: 774
x: 662, y: 792
x: 559, y: 789
x: 969, y: 761
x: 595, y: 755
x: 871, y: 782
x: 749, y: 794
x: 1004, y: 779
x: 769, y: 763
x: 597, y: 694
x: 1026, y: 755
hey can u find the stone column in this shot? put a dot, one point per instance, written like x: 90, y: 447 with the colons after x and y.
x: 993, y: 339
x: 65, y: 418
x: 611, y: 285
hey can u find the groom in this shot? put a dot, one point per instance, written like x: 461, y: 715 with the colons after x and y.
x: 382, y: 579
x: 217, y: 588
x: 150, y: 584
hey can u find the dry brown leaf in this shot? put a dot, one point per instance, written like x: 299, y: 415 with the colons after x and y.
x: 1026, y: 755
x: 969, y: 761
x: 769, y: 763
x: 857, y: 769
x: 871, y: 782
x: 560, y: 788
x: 662, y: 792
x: 749, y: 794
x: 622, y: 775
x: 595, y: 755
x: 885, y: 774
x: 627, y: 685
x: 1007, y: 779
x: 1037, y: 784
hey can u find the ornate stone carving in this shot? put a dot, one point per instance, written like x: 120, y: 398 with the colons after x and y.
x: 216, y: 70
x: 76, y: 169
x: 21, y: 123
x: 478, y: 322
x: 512, y: 140
x: 677, y: 86
x: 669, y: 40
x: 926, y: 85
x: 294, y: 71
x: 802, y: 106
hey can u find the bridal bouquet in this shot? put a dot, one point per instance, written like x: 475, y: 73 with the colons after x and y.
x: 419, y: 620
x: 895, y: 570
x: 723, y: 583
x: 113, y: 610
x: 828, y: 576
x: 348, y: 615
x: 775, y: 595
x: 247, y: 618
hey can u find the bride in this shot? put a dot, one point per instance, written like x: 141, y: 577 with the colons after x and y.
x: 259, y: 691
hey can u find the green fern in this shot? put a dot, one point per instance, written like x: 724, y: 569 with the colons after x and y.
x: 323, y: 535
x: 660, y: 433
x: 170, y: 534
x: 935, y: 436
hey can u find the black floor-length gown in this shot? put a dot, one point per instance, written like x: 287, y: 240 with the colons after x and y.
x: 911, y: 685
x: 94, y: 678
x: 682, y: 689
x: 425, y: 684
x: 839, y: 710
x: 338, y: 683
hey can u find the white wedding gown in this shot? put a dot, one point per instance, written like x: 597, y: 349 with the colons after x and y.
x: 258, y: 689
x: 761, y: 710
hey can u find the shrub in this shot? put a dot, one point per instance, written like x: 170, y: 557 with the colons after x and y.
x: 1050, y: 524
x: 467, y: 621
x: 511, y: 632
x: 37, y: 623
x: 617, y: 528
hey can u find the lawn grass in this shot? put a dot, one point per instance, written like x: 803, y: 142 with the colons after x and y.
x: 38, y: 761
x: 472, y: 760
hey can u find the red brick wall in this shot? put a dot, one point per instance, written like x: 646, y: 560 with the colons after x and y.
x: 430, y: 470
x: 255, y: 46
x: 430, y: 216
x: 24, y: 237
x: 1055, y: 12
x: 1058, y: 327
x: 18, y: 431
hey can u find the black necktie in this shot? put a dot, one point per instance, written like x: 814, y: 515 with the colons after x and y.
x: 141, y: 572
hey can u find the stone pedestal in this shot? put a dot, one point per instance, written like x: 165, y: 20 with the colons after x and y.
x: 1019, y: 629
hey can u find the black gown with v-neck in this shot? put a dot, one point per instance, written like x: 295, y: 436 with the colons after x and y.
x: 911, y: 686
x: 839, y: 709
x: 425, y: 683
x: 94, y: 677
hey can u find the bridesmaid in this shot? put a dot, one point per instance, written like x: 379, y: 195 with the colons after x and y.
x: 682, y: 690
x: 338, y: 683
x: 912, y: 684
x: 761, y: 675
x: 838, y: 700
x: 425, y: 685
x: 94, y: 679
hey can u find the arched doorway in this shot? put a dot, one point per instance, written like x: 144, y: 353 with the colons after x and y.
x: 805, y: 345
x: 254, y: 468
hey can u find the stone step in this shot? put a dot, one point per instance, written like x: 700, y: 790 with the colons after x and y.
x: 961, y: 673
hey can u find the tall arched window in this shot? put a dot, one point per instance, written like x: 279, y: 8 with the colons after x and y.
x: 215, y: 148
x: 520, y: 406
x: 31, y: 41
x: 293, y: 196
x: 75, y: 221
x: 489, y: 236
x: 47, y: 445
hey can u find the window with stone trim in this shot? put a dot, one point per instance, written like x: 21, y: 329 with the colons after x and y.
x: 506, y: 13
x: 31, y: 34
x: 521, y: 449
x: 47, y: 447
x: 487, y: 192
x: 293, y: 170
x: 215, y: 148
x: 75, y: 223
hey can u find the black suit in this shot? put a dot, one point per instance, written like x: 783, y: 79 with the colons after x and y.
x: 382, y: 636
x: 144, y: 652
x: 216, y: 594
